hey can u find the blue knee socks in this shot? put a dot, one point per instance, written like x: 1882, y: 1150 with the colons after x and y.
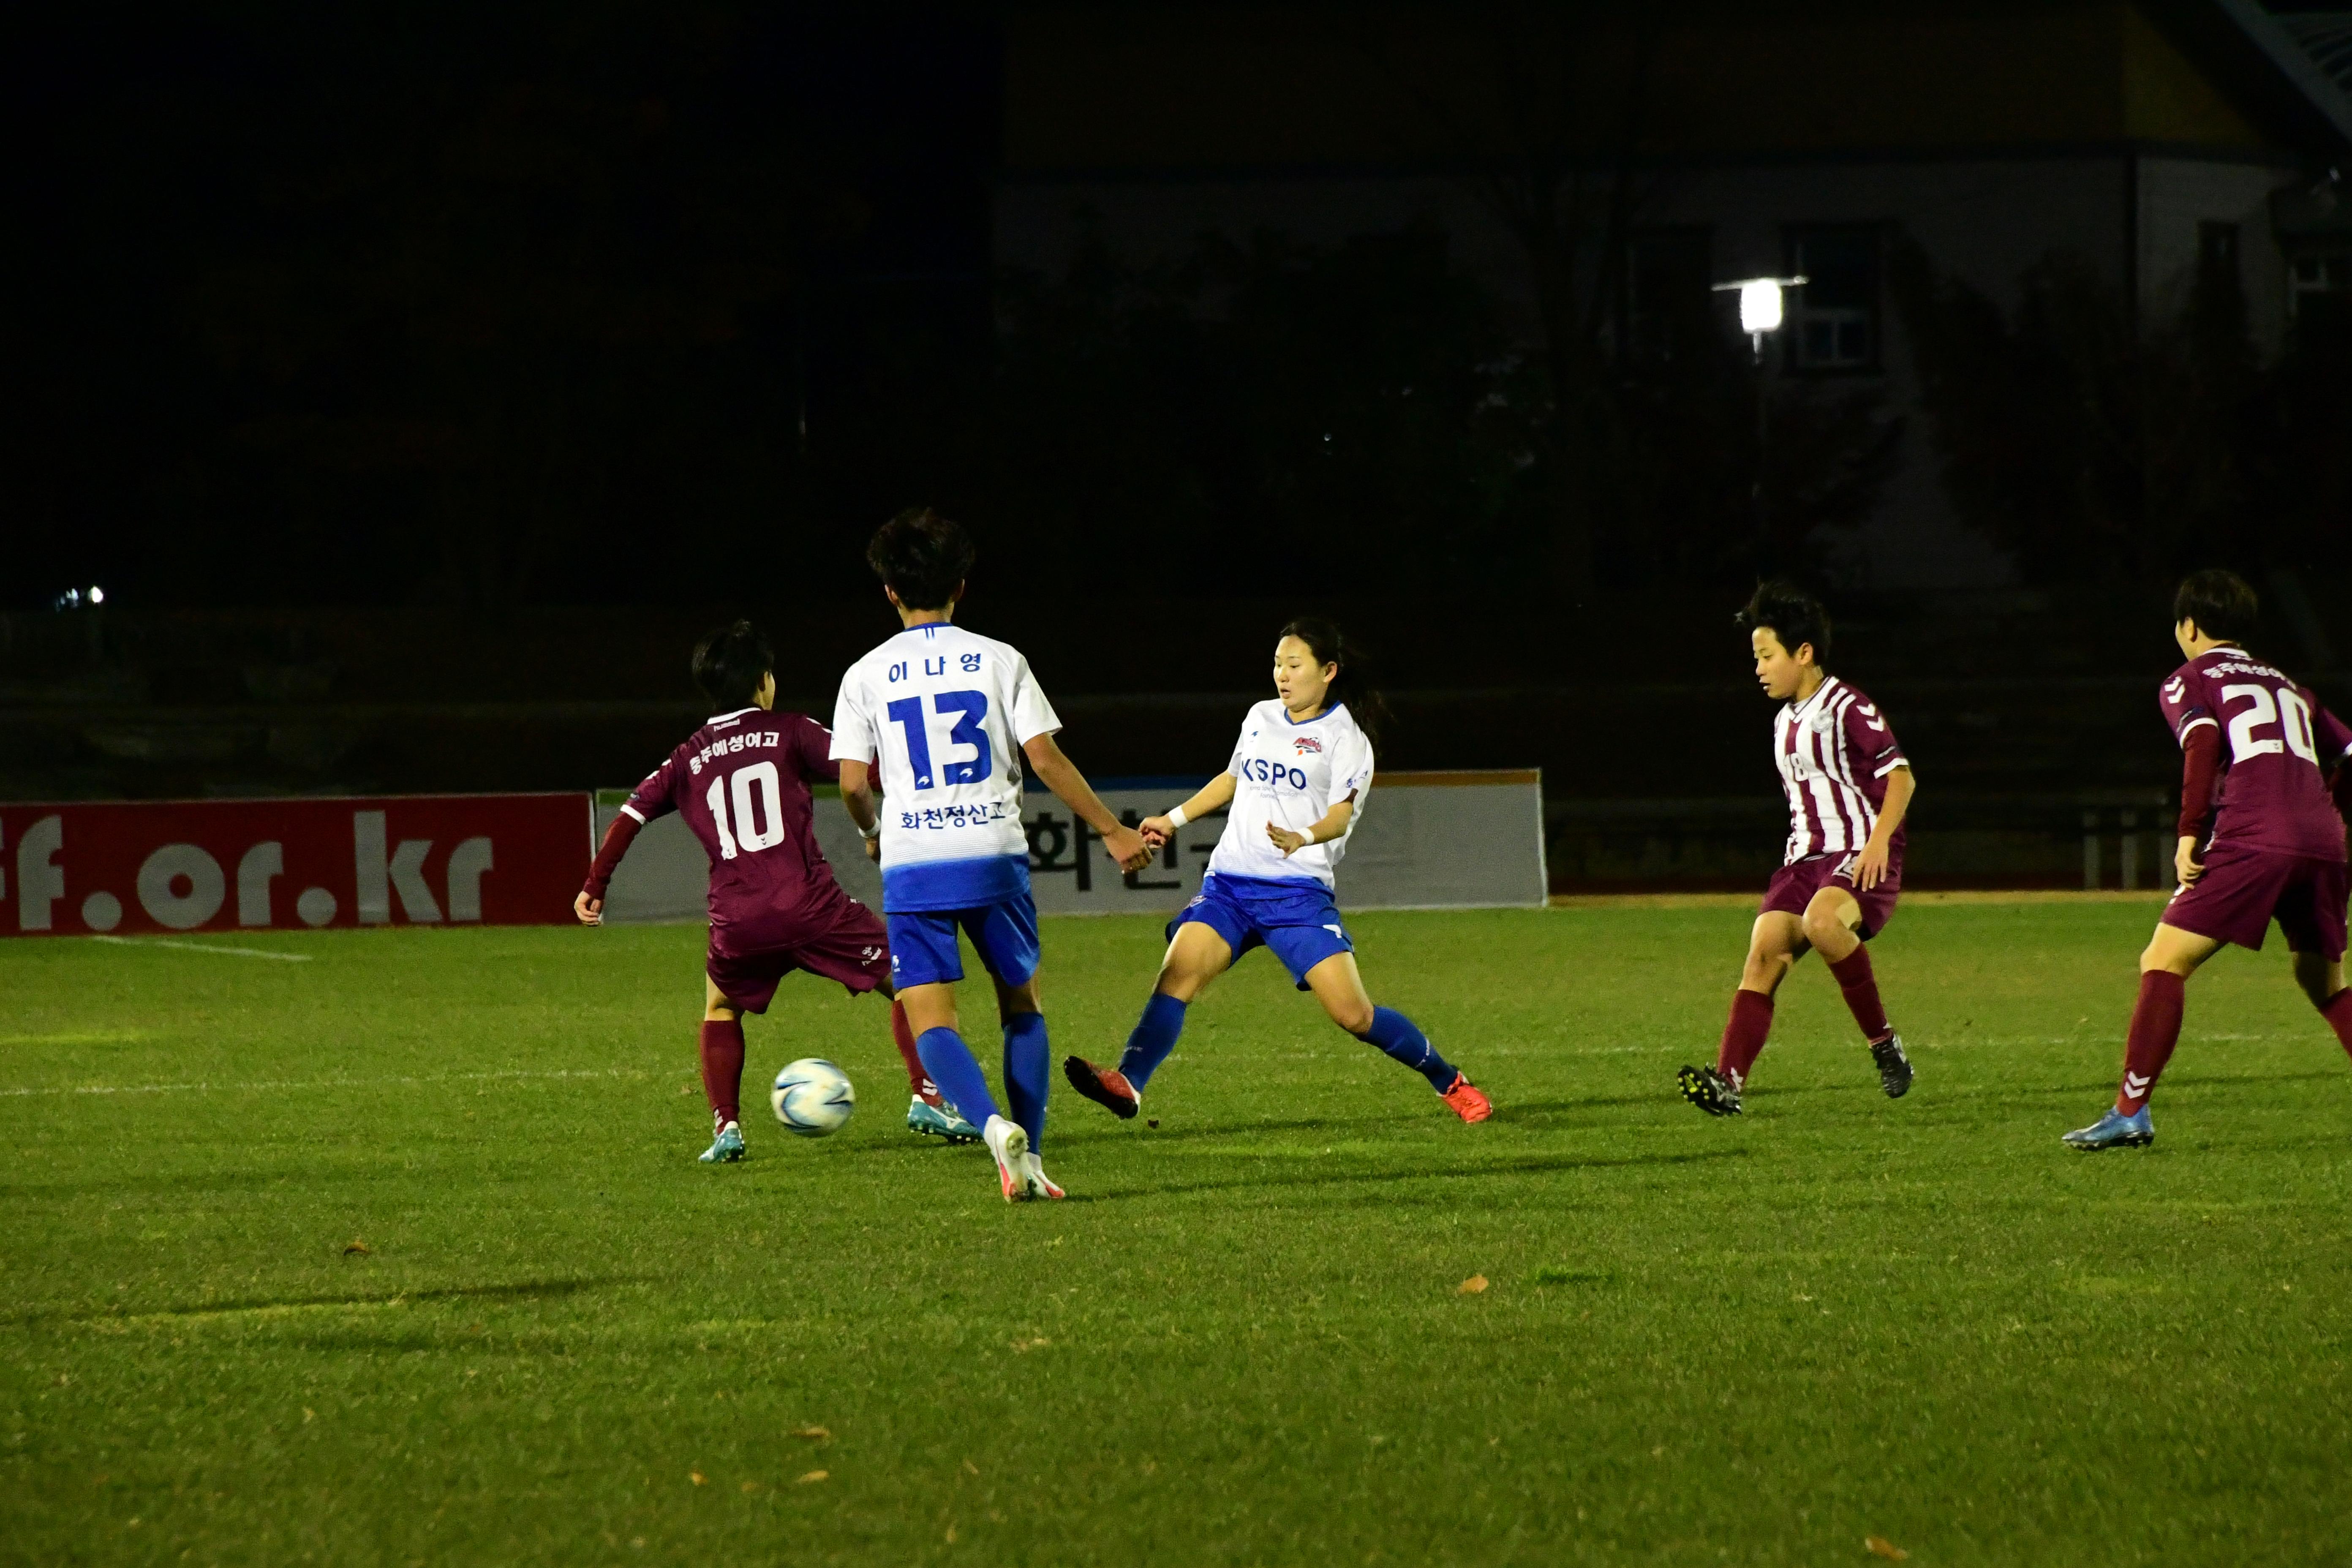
x: 948, y: 1061
x: 1395, y: 1034
x: 1024, y: 1073
x: 1154, y: 1036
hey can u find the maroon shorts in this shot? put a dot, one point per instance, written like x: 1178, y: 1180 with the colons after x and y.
x: 1794, y: 885
x: 2242, y: 891
x: 854, y: 950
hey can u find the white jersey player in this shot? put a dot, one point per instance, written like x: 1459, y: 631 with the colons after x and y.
x: 1295, y: 787
x: 943, y: 722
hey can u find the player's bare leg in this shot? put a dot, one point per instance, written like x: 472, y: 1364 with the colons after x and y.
x: 2171, y: 956
x: 1196, y: 955
x: 1774, y: 944
x: 1832, y: 925
x: 722, y: 1073
x: 1339, y: 986
x: 2322, y: 979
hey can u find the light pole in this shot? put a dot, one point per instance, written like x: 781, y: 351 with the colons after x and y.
x: 1760, y: 314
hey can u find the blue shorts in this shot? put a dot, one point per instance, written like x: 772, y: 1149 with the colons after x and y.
x: 923, y: 949
x: 1295, y: 920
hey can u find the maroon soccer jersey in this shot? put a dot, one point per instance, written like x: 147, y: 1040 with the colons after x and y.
x: 1834, y: 751
x: 741, y: 781
x: 2278, y: 746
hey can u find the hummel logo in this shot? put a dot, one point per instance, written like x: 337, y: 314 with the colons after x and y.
x: 2134, y: 1085
x: 2175, y: 689
x: 1877, y: 725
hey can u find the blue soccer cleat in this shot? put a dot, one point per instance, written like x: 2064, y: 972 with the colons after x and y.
x: 941, y: 1121
x: 2114, y: 1131
x: 726, y: 1149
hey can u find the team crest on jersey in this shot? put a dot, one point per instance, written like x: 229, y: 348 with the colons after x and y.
x: 1307, y: 743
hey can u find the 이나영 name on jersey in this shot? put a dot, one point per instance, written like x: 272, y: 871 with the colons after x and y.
x: 942, y: 714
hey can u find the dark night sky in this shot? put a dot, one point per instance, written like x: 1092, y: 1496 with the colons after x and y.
x: 453, y: 302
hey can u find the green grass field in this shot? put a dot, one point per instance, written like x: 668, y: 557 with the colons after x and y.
x: 1243, y: 1339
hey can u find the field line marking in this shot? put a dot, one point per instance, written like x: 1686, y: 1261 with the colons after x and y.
x: 274, y: 1084
x: 205, y: 947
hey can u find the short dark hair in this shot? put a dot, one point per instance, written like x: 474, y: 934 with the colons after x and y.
x: 2223, y: 604
x: 922, y: 557
x: 730, y: 662
x: 1795, y: 617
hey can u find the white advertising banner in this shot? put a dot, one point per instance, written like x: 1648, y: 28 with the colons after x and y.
x: 1427, y: 840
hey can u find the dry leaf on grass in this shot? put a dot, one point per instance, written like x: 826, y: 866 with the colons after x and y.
x: 813, y: 1434
x: 1024, y: 1346
x: 1474, y: 1285
x: 697, y: 1477
x: 1879, y: 1546
x: 811, y: 1476
x: 361, y: 1248
x: 973, y: 1467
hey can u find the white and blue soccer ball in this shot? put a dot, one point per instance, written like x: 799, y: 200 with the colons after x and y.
x: 813, y: 1096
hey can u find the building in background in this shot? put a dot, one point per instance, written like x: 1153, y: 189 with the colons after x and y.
x: 2157, y: 143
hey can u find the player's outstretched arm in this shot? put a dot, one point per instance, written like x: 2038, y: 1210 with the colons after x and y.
x: 1061, y: 775
x: 1214, y: 795
x: 1900, y: 787
x: 589, y: 905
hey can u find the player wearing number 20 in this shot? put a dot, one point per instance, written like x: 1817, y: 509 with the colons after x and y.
x: 1297, y: 786
x: 943, y: 720
x: 2277, y: 845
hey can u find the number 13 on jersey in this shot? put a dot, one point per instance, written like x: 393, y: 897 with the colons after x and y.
x: 968, y: 708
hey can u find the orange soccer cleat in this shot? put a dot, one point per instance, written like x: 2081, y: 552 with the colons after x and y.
x: 1469, y: 1103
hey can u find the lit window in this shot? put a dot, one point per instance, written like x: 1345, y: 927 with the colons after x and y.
x: 1833, y: 319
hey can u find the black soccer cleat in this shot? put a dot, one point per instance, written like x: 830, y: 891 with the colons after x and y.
x: 1894, y: 1067
x: 1716, y: 1093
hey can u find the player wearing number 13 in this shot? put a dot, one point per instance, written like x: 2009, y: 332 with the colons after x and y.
x: 943, y: 720
x: 2258, y: 754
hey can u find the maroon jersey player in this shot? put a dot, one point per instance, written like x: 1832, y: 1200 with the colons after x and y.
x: 742, y: 784
x: 1849, y: 787
x: 2261, y: 837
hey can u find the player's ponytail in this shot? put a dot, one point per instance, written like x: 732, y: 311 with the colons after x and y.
x: 1323, y: 639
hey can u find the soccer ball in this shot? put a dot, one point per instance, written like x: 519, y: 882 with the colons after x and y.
x: 813, y: 1096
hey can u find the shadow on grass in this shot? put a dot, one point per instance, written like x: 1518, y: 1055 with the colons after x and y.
x: 1527, y: 1167
x: 524, y: 1290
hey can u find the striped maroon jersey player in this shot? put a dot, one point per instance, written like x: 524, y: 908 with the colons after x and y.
x: 1835, y: 751
x: 1849, y: 786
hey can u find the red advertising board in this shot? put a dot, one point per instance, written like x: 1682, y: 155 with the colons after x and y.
x: 230, y: 865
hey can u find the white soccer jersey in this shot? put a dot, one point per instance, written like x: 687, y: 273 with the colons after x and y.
x: 1291, y: 775
x: 943, y: 714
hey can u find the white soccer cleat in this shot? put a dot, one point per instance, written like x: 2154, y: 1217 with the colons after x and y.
x: 1010, y: 1145
x: 1032, y: 1171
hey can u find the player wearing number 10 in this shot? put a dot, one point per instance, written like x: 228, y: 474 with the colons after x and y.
x: 2277, y: 844
x: 742, y: 784
x: 943, y: 719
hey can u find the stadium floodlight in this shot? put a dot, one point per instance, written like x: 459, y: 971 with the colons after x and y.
x: 1760, y: 306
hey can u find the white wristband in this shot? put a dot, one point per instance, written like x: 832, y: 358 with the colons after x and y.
x: 1177, y: 818
x: 1307, y: 833
x: 874, y: 832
